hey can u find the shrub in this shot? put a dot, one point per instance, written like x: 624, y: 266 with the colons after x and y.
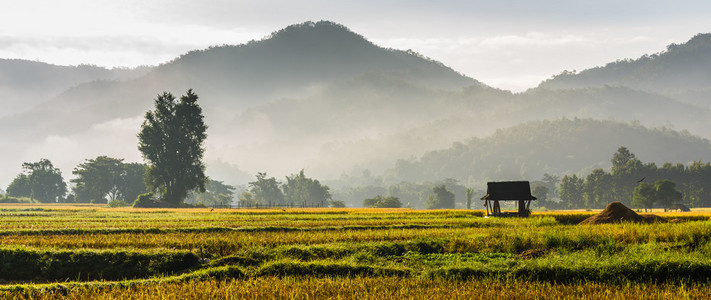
x: 117, y: 203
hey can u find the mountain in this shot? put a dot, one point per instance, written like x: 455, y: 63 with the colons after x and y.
x: 24, y: 83
x: 307, y: 60
x: 320, y: 97
x: 564, y: 146
x: 682, y: 72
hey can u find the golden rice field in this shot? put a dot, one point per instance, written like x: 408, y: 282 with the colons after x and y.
x: 92, y: 252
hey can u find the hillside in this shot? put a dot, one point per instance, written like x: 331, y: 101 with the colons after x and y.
x: 307, y: 60
x: 529, y: 150
x: 683, y: 71
x: 25, y: 84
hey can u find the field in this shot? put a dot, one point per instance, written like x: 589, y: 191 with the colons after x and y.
x: 55, y: 252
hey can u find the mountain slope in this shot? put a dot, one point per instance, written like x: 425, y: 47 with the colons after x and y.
x: 682, y: 71
x: 298, y: 62
x: 527, y: 151
x: 24, y: 84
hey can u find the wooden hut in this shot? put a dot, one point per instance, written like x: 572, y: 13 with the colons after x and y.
x: 508, y: 191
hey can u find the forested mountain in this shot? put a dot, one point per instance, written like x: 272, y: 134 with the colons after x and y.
x: 299, y: 61
x: 565, y: 146
x: 682, y: 71
x: 24, y: 84
x: 319, y: 97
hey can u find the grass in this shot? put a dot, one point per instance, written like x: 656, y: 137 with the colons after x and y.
x: 81, y: 252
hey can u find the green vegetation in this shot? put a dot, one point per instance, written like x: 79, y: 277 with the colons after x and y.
x: 102, y: 177
x: 382, y: 202
x: 171, y: 140
x: 41, y: 181
x: 113, y: 252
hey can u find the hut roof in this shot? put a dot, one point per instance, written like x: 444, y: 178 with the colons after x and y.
x: 508, y: 190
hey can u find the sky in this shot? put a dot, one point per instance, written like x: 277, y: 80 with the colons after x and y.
x: 507, y: 44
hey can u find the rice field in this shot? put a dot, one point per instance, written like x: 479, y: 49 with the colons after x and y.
x: 92, y: 252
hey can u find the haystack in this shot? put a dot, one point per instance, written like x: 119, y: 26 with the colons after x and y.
x: 617, y: 212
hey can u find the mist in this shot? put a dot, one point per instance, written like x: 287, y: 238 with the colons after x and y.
x: 320, y: 97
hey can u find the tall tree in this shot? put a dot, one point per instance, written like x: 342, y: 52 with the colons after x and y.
x: 571, y: 191
x: 441, y: 198
x: 171, y: 140
x: 597, y: 189
x: 470, y: 195
x: 666, y: 193
x: 46, y: 182
x: 301, y: 189
x: 644, y: 196
x: 541, y: 194
x: 265, y: 190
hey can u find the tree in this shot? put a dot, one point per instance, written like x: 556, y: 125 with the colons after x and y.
x: 266, y: 190
x: 597, y: 189
x: 130, y: 183
x: 644, y: 196
x: 621, y: 158
x: 336, y: 204
x: 97, y: 178
x: 301, y: 189
x: 470, y: 195
x: 102, y: 177
x: 382, y: 202
x: 571, y: 191
x: 666, y: 193
x: 20, y: 186
x: 171, y: 140
x: 541, y: 194
x: 216, y: 193
x: 442, y: 198
x: 46, y: 182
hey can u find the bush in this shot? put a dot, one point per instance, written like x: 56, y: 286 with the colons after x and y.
x: 382, y: 202
x: 29, y: 264
x: 8, y: 199
x: 117, y: 203
x: 337, y: 203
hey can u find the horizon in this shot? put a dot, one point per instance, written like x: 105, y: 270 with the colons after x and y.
x: 510, y: 45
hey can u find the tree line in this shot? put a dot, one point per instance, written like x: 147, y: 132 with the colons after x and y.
x: 297, y: 190
x: 634, y: 183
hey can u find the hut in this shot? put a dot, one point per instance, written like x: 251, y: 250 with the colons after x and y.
x: 508, y: 191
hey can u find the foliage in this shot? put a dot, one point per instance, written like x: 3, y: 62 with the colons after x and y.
x: 530, y: 150
x: 97, y: 178
x: 20, y: 186
x: 470, y: 195
x: 144, y: 200
x: 442, y: 198
x: 45, y: 181
x: 301, y: 189
x: 10, y: 199
x: 336, y: 204
x: 171, y: 140
x: 265, y: 190
x: 382, y: 202
x: 674, y: 183
x: 118, y: 203
x: 216, y: 193
x: 644, y: 195
x: 666, y: 193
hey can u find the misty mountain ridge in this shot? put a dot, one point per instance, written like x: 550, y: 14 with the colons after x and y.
x: 565, y: 146
x: 682, y: 72
x: 25, y: 83
x: 320, y: 97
